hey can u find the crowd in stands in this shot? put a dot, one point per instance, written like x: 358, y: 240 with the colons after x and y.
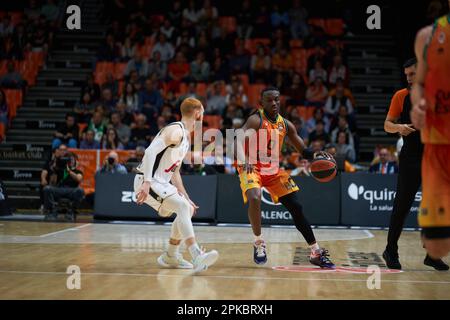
x: 25, y: 38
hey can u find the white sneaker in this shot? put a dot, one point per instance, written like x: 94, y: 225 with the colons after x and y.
x: 176, y: 262
x: 204, y: 260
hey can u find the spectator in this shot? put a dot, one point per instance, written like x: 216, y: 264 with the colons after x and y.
x: 191, y: 13
x: 32, y: 12
x: 207, y: 14
x: 298, y: 20
x: 338, y: 99
x: 6, y: 27
x: 91, y: 87
x: 344, y: 148
x: 168, y: 30
x: 236, y: 89
x: 3, y: 115
x: 220, y: 71
x: 48, y: 171
x: 175, y: 14
x: 318, y: 54
x: 165, y: 48
x: 302, y: 170
x: 240, y: 61
x: 383, y: 165
x: 220, y: 162
x: 342, y: 127
x: 111, y: 164
x: 97, y: 125
x: 157, y: 66
x: 140, y: 134
x: 331, y: 149
x: 130, y: 98
x: 84, y: 109
x: 317, y: 92
x: 137, y: 64
x: 123, y: 131
x: 108, y: 101
x: 150, y: 100
x: 128, y: 50
x: 68, y: 179
x: 185, y: 43
x: 232, y: 111
x: 317, y: 72
x: 200, y: 68
x: 111, y: 84
x: 109, y: 50
x: 260, y: 65
x: 244, y: 18
x: 318, y: 116
x: 179, y: 71
x: 282, y: 62
x: 319, y: 133
x: 89, y: 142
x: 296, y: 92
x: 277, y: 18
x: 12, y: 79
x: 50, y: 11
x: 67, y: 133
x: 125, y: 117
x: 338, y: 70
x: 343, y: 113
x: 111, y: 140
x: 301, y: 130
x: 134, y: 161
x: 216, y: 102
x: 225, y: 42
x: 261, y: 25
x: 317, y: 145
x: 167, y: 114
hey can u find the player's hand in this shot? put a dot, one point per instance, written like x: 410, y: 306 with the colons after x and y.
x: 406, y: 129
x: 248, y: 168
x: 143, y: 193
x: 323, y: 154
x: 418, y: 114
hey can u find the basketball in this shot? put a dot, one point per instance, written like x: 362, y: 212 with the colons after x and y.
x: 323, y: 170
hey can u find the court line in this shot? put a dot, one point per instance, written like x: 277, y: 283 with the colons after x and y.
x: 218, y: 277
x: 369, y: 234
x: 64, y: 230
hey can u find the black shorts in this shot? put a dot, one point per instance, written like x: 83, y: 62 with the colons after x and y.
x: 436, y: 232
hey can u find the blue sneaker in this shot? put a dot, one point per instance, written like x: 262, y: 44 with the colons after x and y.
x: 259, y: 253
x: 320, y: 258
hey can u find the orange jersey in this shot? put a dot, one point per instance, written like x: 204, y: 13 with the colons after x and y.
x: 437, y: 84
x: 270, y: 139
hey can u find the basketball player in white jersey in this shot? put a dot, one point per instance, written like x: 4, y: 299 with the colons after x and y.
x: 159, y: 184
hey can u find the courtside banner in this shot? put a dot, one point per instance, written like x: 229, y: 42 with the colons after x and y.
x: 115, y: 197
x: 367, y: 200
x: 320, y: 201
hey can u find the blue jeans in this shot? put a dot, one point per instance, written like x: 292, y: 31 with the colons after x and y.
x: 72, y: 143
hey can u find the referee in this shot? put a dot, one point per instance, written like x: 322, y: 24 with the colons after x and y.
x: 409, y: 176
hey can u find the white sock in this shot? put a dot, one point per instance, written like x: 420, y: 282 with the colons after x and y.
x: 314, y: 248
x: 194, y: 250
x: 259, y: 238
x: 172, y: 250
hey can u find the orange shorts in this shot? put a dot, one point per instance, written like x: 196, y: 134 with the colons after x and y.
x: 278, y: 185
x: 435, y: 206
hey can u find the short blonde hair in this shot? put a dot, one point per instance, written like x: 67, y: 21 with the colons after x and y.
x: 189, y: 105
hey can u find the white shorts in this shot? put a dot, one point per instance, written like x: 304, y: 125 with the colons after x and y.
x: 157, y: 195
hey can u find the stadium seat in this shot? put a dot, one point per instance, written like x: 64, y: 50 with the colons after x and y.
x: 14, y: 100
x: 300, y: 58
x: 16, y: 17
x: 251, y: 44
x: 254, y: 92
x: 119, y: 70
x: 229, y: 23
x: 334, y: 27
x: 121, y: 87
x: 212, y: 121
x: 81, y: 127
x: 317, y: 22
x: 2, y: 131
x: 296, y: 43
x: 245, y: 81
x: 200, y: 89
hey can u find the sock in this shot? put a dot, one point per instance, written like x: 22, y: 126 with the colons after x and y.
x: 172, y: 250
x: 194, y: 250
x: 314, y: 248
x: 259, y: 238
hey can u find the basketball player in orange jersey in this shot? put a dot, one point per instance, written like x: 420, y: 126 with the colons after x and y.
x: 430, y: 98
x: 279, y: 184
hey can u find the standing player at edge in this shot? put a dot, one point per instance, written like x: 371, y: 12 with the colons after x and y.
x: 430, y: 98
x: 280, y: 185
x: 159, y: 185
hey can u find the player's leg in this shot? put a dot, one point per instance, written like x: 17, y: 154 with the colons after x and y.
x: 434, y: 216
x: 319, y: 256
x: 184, y: 229
x: 408, y: 183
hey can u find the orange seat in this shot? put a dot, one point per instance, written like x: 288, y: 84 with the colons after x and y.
x: 252, y: 44
x: 213, y: 121
x: 300, y: 60
x: 146, y: 50
x: 2, y: 131
x: 119, y: 70
x: 334, y: 27
x: 103, y: 66
x: 16, y: 17
x: 81, y: 127
x: 182, y: 89
x: 100, y: 77
x: 318, y: 23
x: 200, y: 89
x: 254, y: 92
x: 296, y: 43
x: 310, y: 112
x: 244, y: 80
x: 229, y: 23
x: 14, y: 101
x: 149, y: 41
x: 121, y: 87
x: 302, y: 112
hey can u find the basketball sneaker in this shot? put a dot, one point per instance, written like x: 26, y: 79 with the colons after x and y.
x: 437, y: 264
x: 176, y: 262
x: 321, y: 258
x: 205, y: 260
x: 259, y: 253
x: 391, y: 260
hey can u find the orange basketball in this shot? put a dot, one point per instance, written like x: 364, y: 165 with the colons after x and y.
x: 323, y: 170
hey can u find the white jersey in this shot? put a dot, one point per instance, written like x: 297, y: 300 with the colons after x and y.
x: 167, y: 161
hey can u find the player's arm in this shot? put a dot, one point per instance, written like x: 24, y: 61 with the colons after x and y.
x: 178, y: 183
x: 417, y: 94
x: 299, y: 144
x: 249, y: 129
x: 170, y: 136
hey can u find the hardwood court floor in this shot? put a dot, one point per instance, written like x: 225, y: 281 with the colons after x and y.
x: 118, y: 261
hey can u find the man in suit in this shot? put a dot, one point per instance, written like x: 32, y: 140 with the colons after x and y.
x: 384, y: 166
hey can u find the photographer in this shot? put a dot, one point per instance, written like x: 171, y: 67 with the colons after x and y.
x: 64, y: 182
x: 112, y: 165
